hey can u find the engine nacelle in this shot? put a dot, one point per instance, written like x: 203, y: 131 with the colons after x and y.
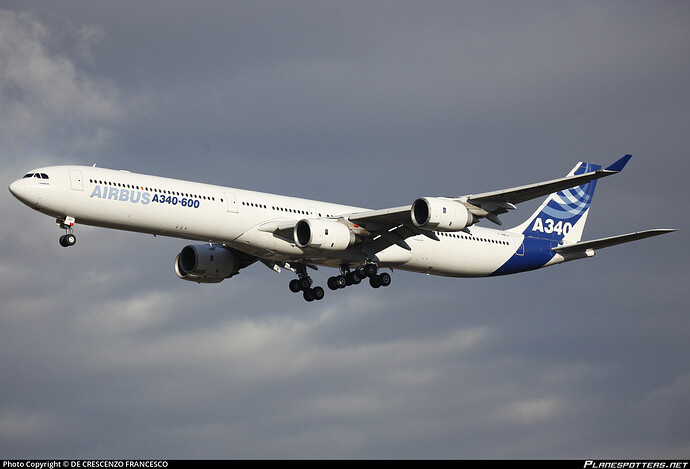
x: 323, y: 234
x: 433, y: 213
x: 206, y: 264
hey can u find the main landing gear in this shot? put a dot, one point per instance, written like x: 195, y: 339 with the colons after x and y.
x: 347, y: 277
x: 304, y: 284
x: 68, y: 239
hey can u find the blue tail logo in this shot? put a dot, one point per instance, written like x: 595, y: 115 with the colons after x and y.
x: 557, y: 219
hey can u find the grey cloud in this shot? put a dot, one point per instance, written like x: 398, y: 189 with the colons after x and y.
x: 44, y: 94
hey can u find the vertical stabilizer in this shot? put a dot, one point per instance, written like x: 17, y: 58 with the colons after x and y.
x: 562, y: 216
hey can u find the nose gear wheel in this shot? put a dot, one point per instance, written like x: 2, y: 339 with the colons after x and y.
x: 68, y: 239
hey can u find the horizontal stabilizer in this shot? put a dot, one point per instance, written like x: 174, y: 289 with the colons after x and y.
x: 611, y: 241
x: 620, y: 164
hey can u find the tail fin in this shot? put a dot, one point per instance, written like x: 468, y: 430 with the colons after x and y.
x: 563, y: 214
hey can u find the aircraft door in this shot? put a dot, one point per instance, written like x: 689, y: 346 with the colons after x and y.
x: 232, y: 202
x: 75, y: 180
x: 520, y: 250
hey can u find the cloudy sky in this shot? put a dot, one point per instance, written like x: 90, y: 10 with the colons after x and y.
x: 104, y: 353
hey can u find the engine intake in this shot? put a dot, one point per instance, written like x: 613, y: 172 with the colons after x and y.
x: 206, y: 264
x: 435, y: 213
x: 330, y: 235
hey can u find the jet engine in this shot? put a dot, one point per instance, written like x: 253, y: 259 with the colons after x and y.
x: 330, y: 235
x: 206, y: 264
x: 434, y: 213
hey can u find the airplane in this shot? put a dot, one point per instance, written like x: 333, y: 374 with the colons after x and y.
x: 433, y: 235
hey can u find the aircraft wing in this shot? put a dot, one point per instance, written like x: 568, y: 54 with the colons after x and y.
x: 487, y: 204
x: 610, y: 241
x: 394, y: 225
x: 497, y: 202
x: 387, y: 226
x: 382, y: 219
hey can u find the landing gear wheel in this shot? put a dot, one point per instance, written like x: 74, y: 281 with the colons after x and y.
x: 318, y: 293
x: 370, y: 270
x: 352, y: 278
x: 384, y: 279
x: 308, y: 294
x: 332, y: 283
x: 68, y: 240
x: 294, y: 286
x: 374, y: 281
x: 311, y: 294
x: 341, y: 281
x: 304, y: 283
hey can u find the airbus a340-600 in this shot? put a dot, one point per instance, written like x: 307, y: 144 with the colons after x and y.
x: 236, y: 228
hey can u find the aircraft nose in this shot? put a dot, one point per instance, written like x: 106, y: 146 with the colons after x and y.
x: 17, y: 189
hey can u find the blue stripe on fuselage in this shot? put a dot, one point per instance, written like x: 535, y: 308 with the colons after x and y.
x: 536, y: 252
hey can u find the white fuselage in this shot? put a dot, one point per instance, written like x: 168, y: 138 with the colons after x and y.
x: 234, y: 217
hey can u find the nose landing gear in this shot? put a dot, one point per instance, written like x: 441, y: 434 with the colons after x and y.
x: 68, y: 239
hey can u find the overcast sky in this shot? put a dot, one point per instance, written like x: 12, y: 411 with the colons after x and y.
x: 105, y: 353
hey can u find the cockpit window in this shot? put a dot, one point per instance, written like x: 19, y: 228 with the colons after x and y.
x: 36, y: 175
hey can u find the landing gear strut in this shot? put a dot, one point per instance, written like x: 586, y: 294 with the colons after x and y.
x: 303, y: 284
x: 68, y: 239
